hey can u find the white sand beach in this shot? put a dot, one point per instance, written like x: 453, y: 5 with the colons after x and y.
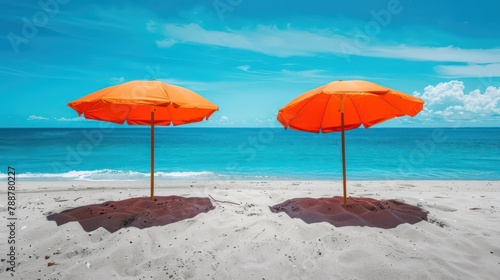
x: 242, y: 239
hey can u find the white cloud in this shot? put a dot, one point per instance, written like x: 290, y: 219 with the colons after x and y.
x: 449, y: 102
x: 308, y: 74
x: 152, y: 26
x: 117, y: 80
x: 273, y: 41
x: 471, y: 70
x: 63, y: 119
x: 165, y: 43
x: 243, y: 67
x: 264, y: 39
x: 443, y: 54
x: 36, y: 118
x: 264, y: 120
x: 223, y: 121
x: 304, y: 76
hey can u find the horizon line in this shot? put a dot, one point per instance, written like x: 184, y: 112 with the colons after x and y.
x: 218, y: 127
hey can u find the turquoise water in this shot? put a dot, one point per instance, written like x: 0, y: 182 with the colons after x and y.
x: 251, y: 153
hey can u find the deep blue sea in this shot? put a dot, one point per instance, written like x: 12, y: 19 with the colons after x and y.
x: 250, y: 153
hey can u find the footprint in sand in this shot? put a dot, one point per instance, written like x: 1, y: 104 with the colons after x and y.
x: 408, y: 185
x: 439, y: 223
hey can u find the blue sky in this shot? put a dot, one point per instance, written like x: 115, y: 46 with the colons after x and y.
x: 250, y: 57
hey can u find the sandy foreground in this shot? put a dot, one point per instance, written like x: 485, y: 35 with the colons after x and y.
x: 242, y: 239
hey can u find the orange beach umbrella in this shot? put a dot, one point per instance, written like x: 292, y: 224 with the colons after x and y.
x: 343, y: 105
x: 145, y: 103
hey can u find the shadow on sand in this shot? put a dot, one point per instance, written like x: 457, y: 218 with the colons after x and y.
x: 138, y: 212
x: 358, y: 211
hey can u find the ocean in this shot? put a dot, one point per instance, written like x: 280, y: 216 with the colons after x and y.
x: 185, y: 153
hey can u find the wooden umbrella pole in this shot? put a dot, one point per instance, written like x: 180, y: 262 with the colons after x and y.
x: 152, y: 154
x: 343, y: 148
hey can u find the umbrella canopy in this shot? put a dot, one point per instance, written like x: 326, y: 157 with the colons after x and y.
x: 344, y: 105
x: 145, y: 103
x: 132, y: 102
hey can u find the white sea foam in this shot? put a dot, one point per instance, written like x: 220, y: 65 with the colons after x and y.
x: 112, y: 175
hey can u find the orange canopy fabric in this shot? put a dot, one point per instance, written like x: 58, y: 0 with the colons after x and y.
x: 344, y: 105
x: 133, y: 101
x: 365, y: 103
x: 145, y: 103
